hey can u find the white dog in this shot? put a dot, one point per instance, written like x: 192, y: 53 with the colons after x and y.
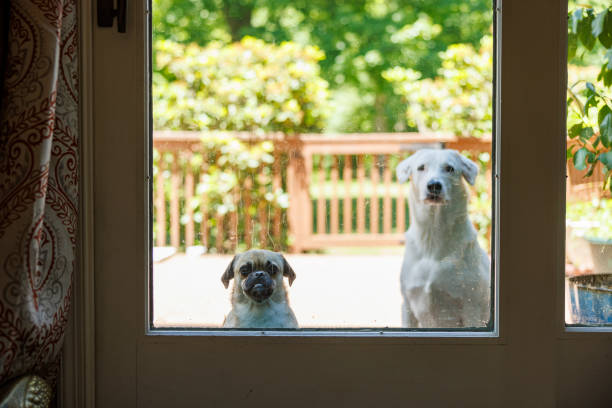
x: 445, y: 277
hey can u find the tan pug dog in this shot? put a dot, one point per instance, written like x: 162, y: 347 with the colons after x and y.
x: 259, y: 297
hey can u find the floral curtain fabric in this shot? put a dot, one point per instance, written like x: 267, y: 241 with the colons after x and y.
x: 39, y: 174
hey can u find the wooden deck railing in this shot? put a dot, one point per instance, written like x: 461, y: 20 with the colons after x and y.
x: 342, y: 192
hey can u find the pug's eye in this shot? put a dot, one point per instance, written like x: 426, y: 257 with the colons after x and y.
x: 421, y: 167
x: 271, y: 268
x: 245, y: 269
x: 449, y: 169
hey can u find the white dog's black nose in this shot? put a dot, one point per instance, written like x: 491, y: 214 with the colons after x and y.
x: 434, y: 187
x: 259, y: 274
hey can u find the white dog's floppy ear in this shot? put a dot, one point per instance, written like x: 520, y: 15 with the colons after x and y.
x: 469, y: 169
x: 287, y: 270
x: 229, y: 273
x: 403, y: 171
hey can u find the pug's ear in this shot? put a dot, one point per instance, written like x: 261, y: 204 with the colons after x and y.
x: 288, y: 271
x: 469, y: 169
x: 229, y: 273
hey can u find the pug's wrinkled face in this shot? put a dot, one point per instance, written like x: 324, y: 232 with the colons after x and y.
x: 258, y: 273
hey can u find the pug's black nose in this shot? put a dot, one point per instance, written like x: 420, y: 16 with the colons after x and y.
x: 434, y: 187
x: 259, y: 274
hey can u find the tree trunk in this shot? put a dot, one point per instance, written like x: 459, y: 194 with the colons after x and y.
x: 380, y: 121
x: 237, y: 16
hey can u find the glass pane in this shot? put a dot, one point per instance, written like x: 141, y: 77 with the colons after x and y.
x: 588, y: 271
x: 322, y: 131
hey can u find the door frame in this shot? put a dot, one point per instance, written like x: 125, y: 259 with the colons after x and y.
x: 531, y: 363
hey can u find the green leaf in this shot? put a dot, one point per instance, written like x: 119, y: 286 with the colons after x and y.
x: 589, y: 172
x: 572, y: 45
x: 576, y: 16
x: 597, y: 26
x: 591, y: 101
x: 591, y: 87
x: 586, y: 133
x: 605, y: 37
x: 574, y: 130
x: 596, y: 142
x: 579, y: 158
x: 605, y: 130
x: 591, y: 157
x: 584, y: 32
x: 605, y: 75
x: 606, y: 159
x: 602, y: 113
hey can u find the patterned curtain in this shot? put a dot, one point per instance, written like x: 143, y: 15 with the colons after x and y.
x: 39, y: 175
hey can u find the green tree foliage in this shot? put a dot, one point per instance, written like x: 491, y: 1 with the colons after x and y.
x: 360, y: 39
x: 245, y: 86
x: 459, y: 100
x: 590, y: 104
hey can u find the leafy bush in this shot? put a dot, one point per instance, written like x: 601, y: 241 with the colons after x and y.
x: 236, y: 178
x: 589, y: 116
x: 459, y: 100
x: 359, y: 38
x: 246, y: 86
x: 480, y: 205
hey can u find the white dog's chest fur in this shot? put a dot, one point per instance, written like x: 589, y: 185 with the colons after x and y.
x: 267, y: 315
x: 444, y: 287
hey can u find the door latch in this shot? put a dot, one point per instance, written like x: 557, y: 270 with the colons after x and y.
x: 107, y: 12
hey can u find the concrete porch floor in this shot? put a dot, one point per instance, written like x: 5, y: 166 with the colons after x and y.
x: 329, y: 291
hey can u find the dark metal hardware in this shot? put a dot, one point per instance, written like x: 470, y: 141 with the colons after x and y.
x: 107, y: 12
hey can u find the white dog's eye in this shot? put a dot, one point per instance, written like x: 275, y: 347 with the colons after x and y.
x: 421, y: 167
x: 449, y: 169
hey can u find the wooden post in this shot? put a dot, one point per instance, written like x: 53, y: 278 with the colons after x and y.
x: 374, y: 197
x: 248, y: 221
x: 401, y: 209
x: 233, y: 233
x: 348, y: 201
x: 262, y: 210
x: 299, y: 169
x: 204, y: 210
x: 361, y: 217
x: 175, y: 226
x: 189, y: 227
x: 277, y: 185
x: 387, y: 210
x: 334, y: 198
x: 321, y: 200
x: 220, y: 233
x: 160, y: 202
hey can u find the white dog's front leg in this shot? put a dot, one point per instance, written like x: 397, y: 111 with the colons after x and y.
x: 408, y: 317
